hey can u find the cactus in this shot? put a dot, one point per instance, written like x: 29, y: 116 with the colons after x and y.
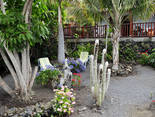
x: 99, y: 77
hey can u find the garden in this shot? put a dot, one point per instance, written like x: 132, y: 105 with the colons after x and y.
x: 43, y: 74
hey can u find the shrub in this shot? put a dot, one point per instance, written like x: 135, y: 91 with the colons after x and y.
x: 48, y: 77
x: 76, y: 66
x: 63, y: 101
x: 148, y: 59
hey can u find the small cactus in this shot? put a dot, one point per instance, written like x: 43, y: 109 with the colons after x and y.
x: 99, y: 77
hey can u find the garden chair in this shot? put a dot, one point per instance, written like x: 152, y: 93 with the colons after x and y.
x: 84, y: 57
x: 44, y: 62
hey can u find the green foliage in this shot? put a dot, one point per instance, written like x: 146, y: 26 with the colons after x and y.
x: 128, y: 52
x: 81, y: 48
x: 63, y: 101
x: 43, y: 11
x: 48, y: 77
x: 15, y: 33
x: 147, y: 59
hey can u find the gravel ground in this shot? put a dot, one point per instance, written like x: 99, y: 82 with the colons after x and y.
x: 126, y: 96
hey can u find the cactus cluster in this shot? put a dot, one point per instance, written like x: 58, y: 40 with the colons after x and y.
x: 99, y: 76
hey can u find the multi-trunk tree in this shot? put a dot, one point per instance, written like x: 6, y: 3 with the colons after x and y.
x: 19, y: 31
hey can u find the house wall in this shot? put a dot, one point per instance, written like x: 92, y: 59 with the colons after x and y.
x: 152, y: 19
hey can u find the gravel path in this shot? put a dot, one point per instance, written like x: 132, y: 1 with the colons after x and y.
x: 126, y: 96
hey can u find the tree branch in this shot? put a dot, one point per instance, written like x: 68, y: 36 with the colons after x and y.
x: 33, y: 78
x: 2, y: 7
x: 16, y: 55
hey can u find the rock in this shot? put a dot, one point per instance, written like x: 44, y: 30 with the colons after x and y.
x: 82, y: 109
x: 21, y: 114
x: 47, y: 105
x: 29, y: 111
x: 38, y: 110
x: 15, y: 116
x: 11, y: 111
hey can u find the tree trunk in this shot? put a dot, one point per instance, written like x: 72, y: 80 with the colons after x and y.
x: 61, y: 50
x: 116, y: 38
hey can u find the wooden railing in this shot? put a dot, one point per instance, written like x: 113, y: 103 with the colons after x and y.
x: 127, y: 30
x: 143, y: 29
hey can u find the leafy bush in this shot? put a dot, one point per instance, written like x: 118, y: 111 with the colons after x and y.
x: 81, y: 48
x: 76, y: 66
x: 148, y: 59
x: 152, y: 60
x: 63, y: 101
x: 48, y: 77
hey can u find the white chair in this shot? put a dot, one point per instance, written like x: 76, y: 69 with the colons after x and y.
x: 84, y: 57
x: 44, y: 62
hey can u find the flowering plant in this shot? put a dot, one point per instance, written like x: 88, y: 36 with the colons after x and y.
x: 76, y: 66
x: 63, y: 101
x: 76, y: 81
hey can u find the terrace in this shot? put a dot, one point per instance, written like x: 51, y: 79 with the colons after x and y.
x: 134, y: 30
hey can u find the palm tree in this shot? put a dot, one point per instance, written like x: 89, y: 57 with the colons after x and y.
x: 114, y: 12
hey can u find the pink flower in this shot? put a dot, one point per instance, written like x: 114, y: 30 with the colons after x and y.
x: 71, y: 96
x: 55, y: 90
x: 61, y: 93
x: 58, y: 109
x: 69, y: 93
x: 71, y: 109
x: 65, y: 110
x: 61, y: 102
x: 62, y: 88
x: 65, y: 106
x: 73, y: 102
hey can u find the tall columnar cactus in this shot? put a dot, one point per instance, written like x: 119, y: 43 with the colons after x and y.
x: 99, y: 77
